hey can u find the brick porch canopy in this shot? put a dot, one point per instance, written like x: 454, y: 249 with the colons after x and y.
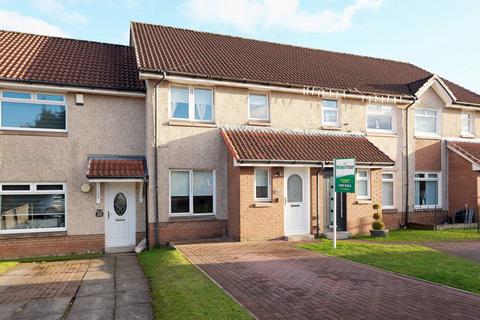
x: 466, y: 149
x: 300, y: 147
x: 116, y: 167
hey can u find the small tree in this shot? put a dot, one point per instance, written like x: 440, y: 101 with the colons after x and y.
x: 378, y: 223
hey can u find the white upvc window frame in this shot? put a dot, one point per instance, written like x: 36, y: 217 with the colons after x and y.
x: 33, y: 190
x: 367, y: 178
x: 191, y: 103
x: 259, y: 93
x: 392, y: 117
x: 269, y: 177
x: 337, y: 110
x: 437, y: 117
x: 470, y: 130
x: 428, y: 178
x: 33, y: 99
x: 392, y: 181
x: 190, y: 194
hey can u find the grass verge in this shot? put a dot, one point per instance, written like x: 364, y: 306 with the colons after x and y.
x: 181, y: 291
x: 6, y: 265
x: 409, y: 235
x: 413, y: 260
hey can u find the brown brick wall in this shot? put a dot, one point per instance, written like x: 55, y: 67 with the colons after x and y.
x: 261, y: 222
x: 393, y: 219
x: 428, y: 156
x: 233, y: 194
x: 313, y: 200
x: 462, y: 183
x: 188, y: 230
x: 359, y: 213
x: 46, y: 245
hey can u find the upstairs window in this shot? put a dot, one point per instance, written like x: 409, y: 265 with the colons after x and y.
x: 467, y: 124
x: 32, y: 111
x: 426, y: 121
x: 379, y: 118
x: 258, y: 107
x: 330, y: 112
x: 193, y: 104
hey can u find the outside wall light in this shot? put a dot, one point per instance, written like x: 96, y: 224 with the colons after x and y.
x: 85, y: 188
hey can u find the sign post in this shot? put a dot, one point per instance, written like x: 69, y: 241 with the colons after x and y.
x: 344, y: 173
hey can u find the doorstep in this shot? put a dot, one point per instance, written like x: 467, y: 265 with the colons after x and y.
x: 301, y: 237
x: 341, y: 235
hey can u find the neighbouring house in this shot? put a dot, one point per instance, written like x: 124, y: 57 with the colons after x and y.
x: 186, y: 134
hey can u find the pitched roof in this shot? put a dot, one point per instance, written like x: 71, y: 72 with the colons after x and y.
x: 52, y: 60
x: 470, y: 150
x: 116, y: 167
x: 268, y: 145
x: 202, y: 54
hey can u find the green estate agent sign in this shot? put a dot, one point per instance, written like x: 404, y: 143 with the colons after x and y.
x: 344, y: 171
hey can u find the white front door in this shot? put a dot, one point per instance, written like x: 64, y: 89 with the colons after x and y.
x: 296, y: 199
x: 120, y: 215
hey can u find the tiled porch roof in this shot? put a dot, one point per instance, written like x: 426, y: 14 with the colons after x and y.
x: 116, y: 167
x: 469, y: 150
x: 286, y: 146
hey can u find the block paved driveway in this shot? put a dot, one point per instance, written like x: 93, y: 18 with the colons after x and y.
x: 112, y: 287
x: 464, y: 249
x: 274, y: 280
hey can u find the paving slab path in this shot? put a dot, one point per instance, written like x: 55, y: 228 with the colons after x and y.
x: 112, y: 287
x: 276, y: 280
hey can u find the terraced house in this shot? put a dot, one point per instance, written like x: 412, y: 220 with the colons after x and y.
x: 186, y: 134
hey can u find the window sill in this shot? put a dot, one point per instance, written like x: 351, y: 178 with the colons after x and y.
x: 382, y: 134
x: 467, y: 135
x: 428, y: 137
x: 259, y: 123
x: 37, y: 234
x: 191, y: 217
x: 191, y: 124
x: 262, y: 204
x: 13, y: 132
x: 331, y: 127
x: 389, y: 210
x: 364, y: 201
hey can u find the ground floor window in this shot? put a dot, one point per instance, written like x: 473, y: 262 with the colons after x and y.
x: 192, y: 191
x: 31, y: 207
x: 362, y: 187
x: 387, y: 190
x: 262, y: 184
x: 427, y: 188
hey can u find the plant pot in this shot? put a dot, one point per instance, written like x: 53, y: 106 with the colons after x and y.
x: 379, y: 233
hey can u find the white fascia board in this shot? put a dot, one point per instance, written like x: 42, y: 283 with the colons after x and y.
x: 115, y: 180
x: 63, y: 89
x: 437, y: 84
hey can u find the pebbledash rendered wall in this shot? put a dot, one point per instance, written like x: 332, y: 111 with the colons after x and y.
x: 103, y: 125
x: 183, y: 145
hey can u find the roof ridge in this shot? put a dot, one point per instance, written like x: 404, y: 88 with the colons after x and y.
x: 65, y: 38
x: 276, y: 43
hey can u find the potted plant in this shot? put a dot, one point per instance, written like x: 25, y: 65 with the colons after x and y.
x: 378, y: 227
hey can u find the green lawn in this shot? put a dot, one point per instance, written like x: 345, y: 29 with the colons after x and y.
x: 60, y: 258
x: 409, y: 235
x: 413, y: 260
x: 181, y: 291
x: 5, y: 265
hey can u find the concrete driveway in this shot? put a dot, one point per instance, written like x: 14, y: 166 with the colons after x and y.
x: 277, y: 281
x: 112, y: 287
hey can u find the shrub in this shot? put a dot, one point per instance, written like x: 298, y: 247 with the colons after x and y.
x: 376, y: 206
x: 376, y: 216
x: 378, y: 225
